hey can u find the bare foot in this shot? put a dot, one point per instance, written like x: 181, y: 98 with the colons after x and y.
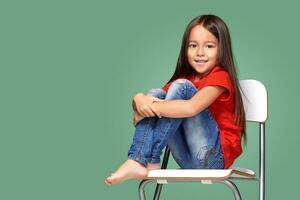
x: 152, y: 166
x: 128, y: 170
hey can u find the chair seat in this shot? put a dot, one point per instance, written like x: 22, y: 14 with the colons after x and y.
x: 200, y: 174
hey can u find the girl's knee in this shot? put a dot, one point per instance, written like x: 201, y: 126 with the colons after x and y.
x: 181, y: 82
x: 156, y: 92
x: 181, y: 86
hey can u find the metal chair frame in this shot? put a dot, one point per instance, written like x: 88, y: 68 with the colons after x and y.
x: 229, y: 182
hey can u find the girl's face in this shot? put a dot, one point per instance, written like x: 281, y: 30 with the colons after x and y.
x: 202, y: 52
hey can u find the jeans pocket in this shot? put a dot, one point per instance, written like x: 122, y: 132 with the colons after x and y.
x: 210, y: 158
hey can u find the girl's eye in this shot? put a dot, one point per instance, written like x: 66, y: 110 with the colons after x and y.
x: 209, y: 46
x: 192, y: 45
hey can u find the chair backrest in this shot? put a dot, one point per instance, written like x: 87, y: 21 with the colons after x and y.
x: 255, y: 100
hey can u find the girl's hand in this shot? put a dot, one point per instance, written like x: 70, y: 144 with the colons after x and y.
x: 143, y: 105
x: 136, y: 118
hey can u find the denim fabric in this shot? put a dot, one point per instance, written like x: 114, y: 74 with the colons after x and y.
x: 193, y: 141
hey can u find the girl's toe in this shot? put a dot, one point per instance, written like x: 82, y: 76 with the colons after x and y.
x: 107, y: 182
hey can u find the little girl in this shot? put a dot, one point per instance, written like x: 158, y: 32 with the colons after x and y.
x: 199, y: 113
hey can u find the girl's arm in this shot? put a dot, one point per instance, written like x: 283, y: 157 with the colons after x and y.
x: 188, y: 108
x: 141, y: 104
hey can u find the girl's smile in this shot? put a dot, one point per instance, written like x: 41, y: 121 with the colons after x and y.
x: 202, y: 51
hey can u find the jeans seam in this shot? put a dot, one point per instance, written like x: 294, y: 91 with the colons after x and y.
x: 159, y: 144
x: 138, y: 156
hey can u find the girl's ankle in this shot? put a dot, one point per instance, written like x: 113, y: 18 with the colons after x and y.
x: 153, y: 166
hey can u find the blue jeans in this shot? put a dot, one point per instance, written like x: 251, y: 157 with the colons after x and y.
x: 194, y: 141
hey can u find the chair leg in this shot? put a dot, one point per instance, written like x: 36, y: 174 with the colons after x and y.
x: 158, y: 186
x: 262, y: 161
x: 157, y: 191
x: 163, y: 166
x: 142, y: 188
x: 233, y: 188
x: 229, y: 183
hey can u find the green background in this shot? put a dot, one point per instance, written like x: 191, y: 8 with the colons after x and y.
x: 69, y: 70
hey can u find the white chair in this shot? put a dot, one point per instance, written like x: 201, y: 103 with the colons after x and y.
x: 254, y: 96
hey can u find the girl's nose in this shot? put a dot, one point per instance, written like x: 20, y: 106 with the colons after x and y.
x: 200, y: 51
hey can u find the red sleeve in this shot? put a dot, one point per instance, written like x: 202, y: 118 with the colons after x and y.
x: 166, y: 87
x: 220, y: 78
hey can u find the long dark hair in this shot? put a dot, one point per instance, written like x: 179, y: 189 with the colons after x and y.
x: 219, y: 29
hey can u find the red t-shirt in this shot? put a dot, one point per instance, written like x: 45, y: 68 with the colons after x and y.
x: 222, y: 110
